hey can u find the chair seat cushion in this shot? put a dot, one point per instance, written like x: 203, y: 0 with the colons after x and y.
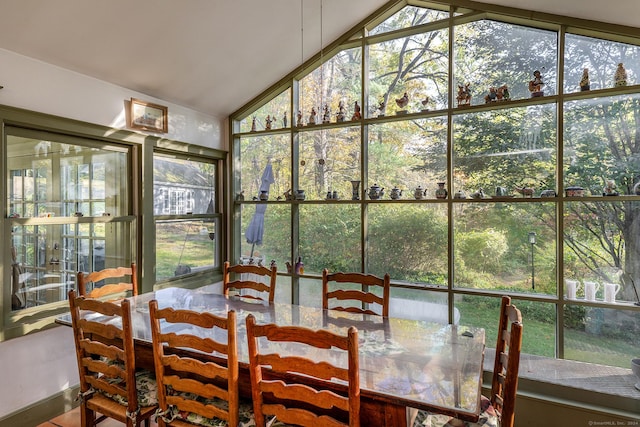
x: 147, y: 390
x: 488, y: 418
x: 245, y: 414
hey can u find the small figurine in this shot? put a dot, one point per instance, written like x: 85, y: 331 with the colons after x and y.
x: 584, y: 81
x: 253, y: 124
x: 284, y: 120
x: 341, y: 114
x: 240, y: 196
x: 287, y: 195
x: 503, y: 93
x: 356, y: 112
x: 326, y: 115
x: 478, y: 194
x: 535, y: 85
x: 620, y: 77
x: 424, y: 103
x: 381, y: 108
x: 312, y: 116
x: 492, y: 96
x: 610, y: 188
x: 267, y: 122
x: 299, y: 122
x: 464, y: 95
x: 402, y: 102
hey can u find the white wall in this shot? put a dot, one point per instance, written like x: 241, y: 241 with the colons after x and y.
x: 37, y: 86
x: 33, y: 85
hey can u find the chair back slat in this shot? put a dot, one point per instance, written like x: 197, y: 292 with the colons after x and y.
x: 276, y: 392
x: 363, y: 297
x: 116, y: 285
x: 245, y: 278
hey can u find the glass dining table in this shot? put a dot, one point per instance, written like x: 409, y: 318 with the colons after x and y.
x: 403, y: 363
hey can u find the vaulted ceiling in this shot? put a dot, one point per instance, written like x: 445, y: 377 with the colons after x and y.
x: 209, y: 55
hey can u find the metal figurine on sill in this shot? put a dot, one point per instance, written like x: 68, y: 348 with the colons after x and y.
x: 441, y: 191
x: 375, y: 192
x: 396, y: 193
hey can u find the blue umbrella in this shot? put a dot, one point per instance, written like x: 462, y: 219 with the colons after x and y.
x: 255, y: 230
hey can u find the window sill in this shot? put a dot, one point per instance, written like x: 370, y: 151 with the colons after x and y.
x: 577, y: 383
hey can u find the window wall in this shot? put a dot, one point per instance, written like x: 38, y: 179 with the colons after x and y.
x: 76, y: 200
x: 186, y: 215
x: 524, y: 185
x: 69, y: 209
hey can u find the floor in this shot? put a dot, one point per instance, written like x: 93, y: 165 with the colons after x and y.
x: 72, y: 419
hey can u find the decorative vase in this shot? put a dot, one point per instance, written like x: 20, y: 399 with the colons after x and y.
x: 355, y: 190
x: 441, y: 192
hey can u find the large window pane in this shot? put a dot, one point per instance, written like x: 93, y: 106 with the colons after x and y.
x: 47, y: 257
x: 494, y: 247
x: 184, y: 247
x: 47, y: 178
x: 492, y: 54
x: 408, y: 155
x: 539, y: 320
x: 334, y: 84
x: 269, y: 238
x: 415, y: 65
x: 601, y: 335
x: 514, y: 148
x: 602, y: 246
x: 600, y: 58
x: 600, y: 143
x: 183, y: 186
x: 273, y: 115
x: 409, y: 241
x: 329, y: 161
x: 256, y: 153
x: 330, y: 237
x: 408, y: 17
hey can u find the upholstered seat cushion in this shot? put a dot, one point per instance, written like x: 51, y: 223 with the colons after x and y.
x: 245, y: 415
x: 488, y: 418
x: 147, y: 389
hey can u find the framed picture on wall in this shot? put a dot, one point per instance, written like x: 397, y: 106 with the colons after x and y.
x: 148, y: 116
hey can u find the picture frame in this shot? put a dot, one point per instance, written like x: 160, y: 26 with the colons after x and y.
x: 147, y: 116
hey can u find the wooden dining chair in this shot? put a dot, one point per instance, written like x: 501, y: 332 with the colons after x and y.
x: 499, y: 408
x: 247, y: 276
x: 114, y: 284
x: 197, y: 392
x: 316, y: 401
x: 358, y: 300
x: 110, y: 384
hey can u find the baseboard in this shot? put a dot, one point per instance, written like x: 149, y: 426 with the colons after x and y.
x: 43, y: 410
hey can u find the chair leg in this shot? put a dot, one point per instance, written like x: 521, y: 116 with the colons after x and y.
x: 412, y: 413
x: 87, y: 416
